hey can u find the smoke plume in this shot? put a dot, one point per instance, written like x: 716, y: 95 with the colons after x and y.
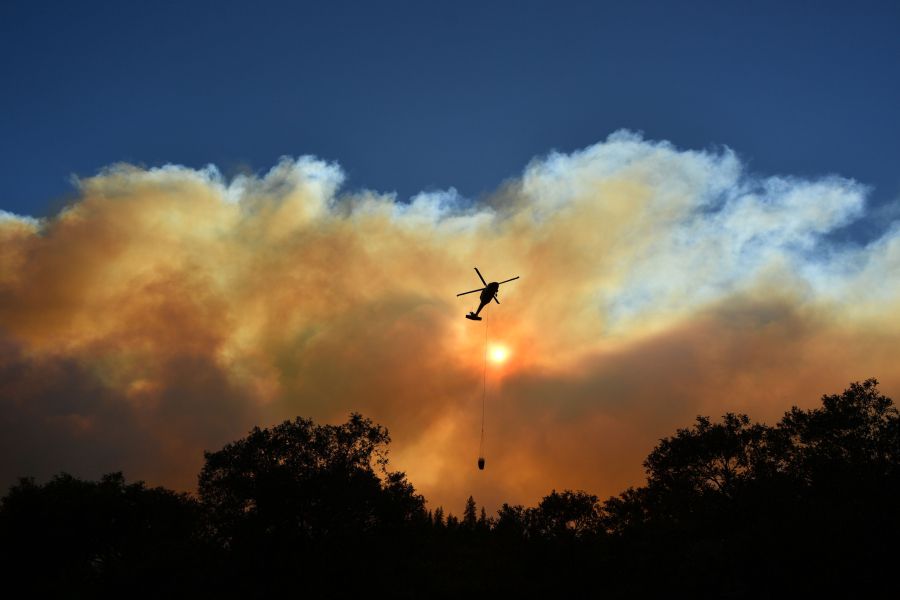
x: 169, y: 310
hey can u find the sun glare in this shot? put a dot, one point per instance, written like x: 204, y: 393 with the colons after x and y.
x: 498, y: 354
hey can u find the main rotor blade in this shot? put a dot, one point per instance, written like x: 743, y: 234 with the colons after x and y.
x: 508, y: 280
x: 470, y: 292
x: 480, y: 277
x: 495, y: 299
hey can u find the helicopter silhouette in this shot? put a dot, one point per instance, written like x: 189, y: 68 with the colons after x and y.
x: 488, y: 293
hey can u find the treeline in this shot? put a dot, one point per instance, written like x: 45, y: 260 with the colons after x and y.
x: 731, y: 508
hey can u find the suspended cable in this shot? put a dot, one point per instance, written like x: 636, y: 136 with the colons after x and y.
x: 488, y: 293
x: 483, y: 393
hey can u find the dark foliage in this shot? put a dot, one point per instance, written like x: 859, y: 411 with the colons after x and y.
x: 731, y: 509
x: 311, y: 499
x: 808, y: 506
x: 78, y: 538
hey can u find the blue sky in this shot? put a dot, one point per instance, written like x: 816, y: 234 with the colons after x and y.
x: 411, y: 96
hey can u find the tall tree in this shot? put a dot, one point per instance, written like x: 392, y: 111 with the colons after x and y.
x: 300, y: 483
x: 567, y: 514
x: 470, y: 514
x: 858, y: 430
x: 438, y: 519
x: 708, y: 457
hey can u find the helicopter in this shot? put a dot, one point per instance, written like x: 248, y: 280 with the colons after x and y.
x: 488, y: 292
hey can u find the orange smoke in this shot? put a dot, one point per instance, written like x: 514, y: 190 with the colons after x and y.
x: 168, y: 310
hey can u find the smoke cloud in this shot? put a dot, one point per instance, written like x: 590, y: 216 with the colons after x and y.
x: 169, y: 310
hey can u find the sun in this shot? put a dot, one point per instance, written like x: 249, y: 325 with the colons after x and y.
x: 498, y: 354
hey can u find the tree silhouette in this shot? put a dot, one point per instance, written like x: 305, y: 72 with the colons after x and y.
x: 843, y: 463
x: 730, y: 508
x: 857, y: 429
x: 788, y: 500
x: 565, y: 515
x: 709, y: 457
x: 484, y: 523
x: 70, y: 534
x: 304, y: 494
x: 307, y: 481
x: 470, y: 514
x: 511, y: 522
